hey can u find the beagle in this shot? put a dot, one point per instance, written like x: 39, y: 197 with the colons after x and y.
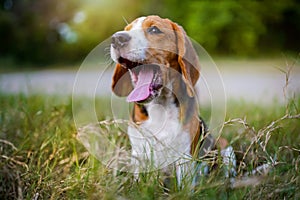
x: 157, y: 69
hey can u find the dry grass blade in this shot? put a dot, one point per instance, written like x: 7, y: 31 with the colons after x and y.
x: 9, y: 143
x: 10, y: 171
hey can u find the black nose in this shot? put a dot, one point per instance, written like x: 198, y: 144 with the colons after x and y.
x: 120, y: 39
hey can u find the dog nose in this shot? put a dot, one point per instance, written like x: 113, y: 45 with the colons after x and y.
x: 120, y: 39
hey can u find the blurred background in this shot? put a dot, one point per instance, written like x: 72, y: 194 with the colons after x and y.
x: 46, y: 32
x: 44, y: 42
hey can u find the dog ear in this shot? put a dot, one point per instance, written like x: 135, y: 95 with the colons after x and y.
x: 121, y: 81
x: 187, y: 59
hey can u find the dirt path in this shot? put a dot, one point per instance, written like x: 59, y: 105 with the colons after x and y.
x: 256, y: 81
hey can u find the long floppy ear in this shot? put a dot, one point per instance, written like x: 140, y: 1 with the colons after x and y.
x: 187, y: 59
x: 121, y: 81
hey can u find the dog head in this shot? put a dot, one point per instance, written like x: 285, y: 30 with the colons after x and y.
x: 145, y: 53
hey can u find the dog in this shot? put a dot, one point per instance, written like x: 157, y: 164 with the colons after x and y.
x: 157, y: 69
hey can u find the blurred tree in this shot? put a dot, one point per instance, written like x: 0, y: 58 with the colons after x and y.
x: 49, y: 31
x: 226, y: 26
x: 28, y: 28
x: 96, y: 21
x: 236, y: 27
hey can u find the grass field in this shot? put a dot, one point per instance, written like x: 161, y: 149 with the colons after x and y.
x: 41, y: 158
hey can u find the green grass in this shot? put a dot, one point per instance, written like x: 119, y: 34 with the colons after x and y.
x: 41, y: 158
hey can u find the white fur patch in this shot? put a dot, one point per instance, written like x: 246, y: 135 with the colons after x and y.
x: 229, y: 161
x: 160, y: 141
x: 136, y: 49
x: 138, y: 24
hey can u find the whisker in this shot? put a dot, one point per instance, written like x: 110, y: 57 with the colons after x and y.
x: 125, y: 20
x: 108, y: 59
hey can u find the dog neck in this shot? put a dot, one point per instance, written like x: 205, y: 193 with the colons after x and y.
x: 172, y: 97
x: 160, y: 136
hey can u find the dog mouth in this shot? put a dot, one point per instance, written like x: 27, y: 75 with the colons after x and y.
x: 146, y: 79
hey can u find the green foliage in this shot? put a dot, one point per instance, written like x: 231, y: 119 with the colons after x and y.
x: 226, y: 26
x: 50, y: 31
x: 28, y: 31
x: 238, y: 27
x: 47, y: 31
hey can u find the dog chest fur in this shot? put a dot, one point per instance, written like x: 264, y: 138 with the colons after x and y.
x: 160, y: 140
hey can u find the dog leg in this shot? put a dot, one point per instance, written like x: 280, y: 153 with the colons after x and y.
x: 134, y: 165
x: 229, y: 161
x: 185, y: 173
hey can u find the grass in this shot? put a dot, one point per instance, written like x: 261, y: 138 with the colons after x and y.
x: 41, y: 157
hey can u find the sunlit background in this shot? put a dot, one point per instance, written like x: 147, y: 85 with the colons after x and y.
x: 51, y: 31
x: 249, y: 40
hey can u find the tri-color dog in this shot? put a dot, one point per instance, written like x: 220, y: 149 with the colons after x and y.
x: 157, y: 69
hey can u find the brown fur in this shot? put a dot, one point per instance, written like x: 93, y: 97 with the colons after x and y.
x: 171, y: 49
x: 121, y: 83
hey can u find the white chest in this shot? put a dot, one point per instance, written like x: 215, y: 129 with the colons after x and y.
x: 160, y: 140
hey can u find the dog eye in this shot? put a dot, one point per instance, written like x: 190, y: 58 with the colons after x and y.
x: 154, y: 30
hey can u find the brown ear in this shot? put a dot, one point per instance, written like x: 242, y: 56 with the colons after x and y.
x: 121, y: 82
x: 187, y: 59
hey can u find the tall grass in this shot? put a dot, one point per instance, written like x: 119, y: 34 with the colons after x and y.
x: 41, y: 158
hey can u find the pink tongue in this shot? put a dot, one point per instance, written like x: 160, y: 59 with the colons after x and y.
x: 142, y: 89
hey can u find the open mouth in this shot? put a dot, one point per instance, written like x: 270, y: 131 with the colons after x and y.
x: 146, y: 78
x: 127, y: 63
